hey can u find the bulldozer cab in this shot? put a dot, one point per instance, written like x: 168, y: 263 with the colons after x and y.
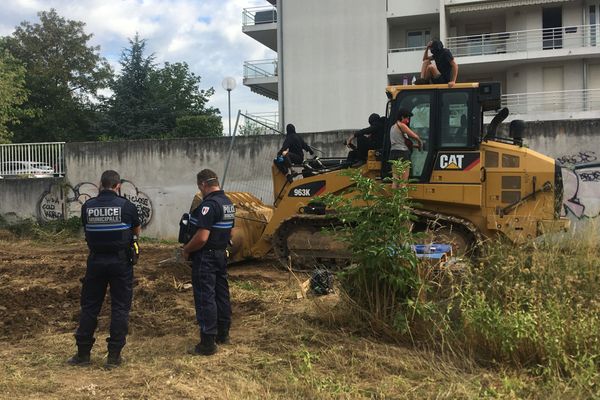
x: 445, y: 119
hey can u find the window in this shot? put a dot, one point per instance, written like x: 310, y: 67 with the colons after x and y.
x: 420, y: 106
x: 454, y: 122
x: 417, y: 38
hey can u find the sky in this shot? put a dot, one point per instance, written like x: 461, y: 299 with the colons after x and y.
x: 206, y: 34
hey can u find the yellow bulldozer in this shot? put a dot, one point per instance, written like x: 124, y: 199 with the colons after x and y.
x: 469, y: 184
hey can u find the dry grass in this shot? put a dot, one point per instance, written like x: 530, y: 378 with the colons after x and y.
x: 282, y: 347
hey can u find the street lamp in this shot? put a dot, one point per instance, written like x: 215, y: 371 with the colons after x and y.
x: 229, y: 84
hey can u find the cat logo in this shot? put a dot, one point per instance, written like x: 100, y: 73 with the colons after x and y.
x: 463, y: 161
x: 451, y: 161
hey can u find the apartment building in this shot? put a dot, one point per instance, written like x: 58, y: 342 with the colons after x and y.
x: 335, y: 57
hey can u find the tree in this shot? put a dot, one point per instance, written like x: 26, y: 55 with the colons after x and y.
x: 198, y: 126
x: 13, y: 94
x: 132, y: 110
x: 63, y: 76
x: 150, y: 102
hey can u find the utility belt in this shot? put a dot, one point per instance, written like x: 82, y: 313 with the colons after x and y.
x: 131, y: 254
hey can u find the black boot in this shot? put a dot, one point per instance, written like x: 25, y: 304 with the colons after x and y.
x: 223, y: 335
x: 114, y: 359
x: 82, y: 357
x: 206, y: 347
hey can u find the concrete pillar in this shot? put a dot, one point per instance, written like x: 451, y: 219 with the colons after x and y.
x: 443, y: 22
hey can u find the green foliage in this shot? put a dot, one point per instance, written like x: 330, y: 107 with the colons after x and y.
x: 198, y: 126
x: 537, y: 307
x: 31, y: 229
x: 63, y: 75
x: 12, y: 87
x: 384, y: 278
x: 152, y: 102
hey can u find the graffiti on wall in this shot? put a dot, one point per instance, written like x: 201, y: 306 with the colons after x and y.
x: 581, y: 180
x: 61, y: 201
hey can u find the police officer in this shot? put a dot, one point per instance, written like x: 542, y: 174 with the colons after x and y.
x: 212, y: 221
x: 111, y: 223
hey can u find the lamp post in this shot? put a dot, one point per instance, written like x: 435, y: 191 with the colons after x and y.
x: 229, y: 84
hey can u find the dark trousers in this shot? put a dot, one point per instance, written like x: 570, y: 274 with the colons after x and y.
x: 211, y: 291
x: 106, y: 270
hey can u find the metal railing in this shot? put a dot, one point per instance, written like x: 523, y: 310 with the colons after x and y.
x: 259, y: 15
x: 407, y: 49
x: 33, y: 160
x: 260, y: 68
x: 270, y: 119
x: 566, y: 37
x: 563, y: 101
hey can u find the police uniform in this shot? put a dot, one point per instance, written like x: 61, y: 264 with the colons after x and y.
x: 108, y: 221
x: 216, y: 213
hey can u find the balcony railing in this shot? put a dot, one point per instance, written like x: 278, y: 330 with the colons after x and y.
x: 555, y: 102
x: 407, y: 49
x: 566, y: 37
x: 259, y: 15
x: 260, y: 69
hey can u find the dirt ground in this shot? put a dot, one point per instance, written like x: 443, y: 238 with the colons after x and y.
x: 283, y: 347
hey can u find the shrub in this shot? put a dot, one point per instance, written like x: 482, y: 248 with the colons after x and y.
x: 384, y: 277
x: 198, y: 126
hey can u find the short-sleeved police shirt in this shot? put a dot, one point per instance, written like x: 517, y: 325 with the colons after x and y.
x: 108, y: 221
x: 216, y: 213
x: 442, y: 61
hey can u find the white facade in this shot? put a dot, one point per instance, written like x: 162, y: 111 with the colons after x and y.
x: 335, y: 57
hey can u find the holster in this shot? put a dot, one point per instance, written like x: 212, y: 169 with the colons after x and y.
x: 134, y: 252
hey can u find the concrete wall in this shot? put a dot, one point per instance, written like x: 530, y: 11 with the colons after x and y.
x: 334, y: 56
x: 160, y: 174
x: 20, y: 198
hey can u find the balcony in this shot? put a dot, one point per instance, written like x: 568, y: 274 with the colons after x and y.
x: 261, y: 77
x: 557, y: 105
x: 406, y: 60
x: 536, y: 44
x: 260, y: 23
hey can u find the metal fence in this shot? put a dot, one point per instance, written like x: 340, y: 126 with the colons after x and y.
x: 32, y: 160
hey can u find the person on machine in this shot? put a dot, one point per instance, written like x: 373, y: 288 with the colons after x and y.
x: 445, y: 69
x: 370, y: 138
x: 401, y: 141
x: 292, y: 150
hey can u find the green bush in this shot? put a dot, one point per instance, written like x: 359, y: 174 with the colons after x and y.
x: 31, y: 229
x: 535, y: 306
x: 384, y: 279
x: 198, y: 126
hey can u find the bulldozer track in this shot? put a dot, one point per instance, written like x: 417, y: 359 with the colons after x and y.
x: 313, y: 256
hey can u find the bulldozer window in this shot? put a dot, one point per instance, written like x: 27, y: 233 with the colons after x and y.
x: 454, y: 117
x: 420, y: 106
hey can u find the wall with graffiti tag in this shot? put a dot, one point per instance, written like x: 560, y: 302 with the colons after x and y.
x: 576, y: 148
x: 62, y: 200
